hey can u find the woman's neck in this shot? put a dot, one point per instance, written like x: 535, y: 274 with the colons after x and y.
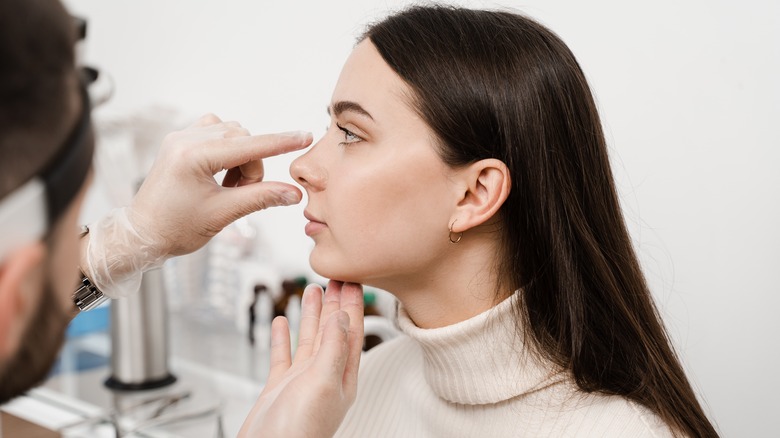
x: 460, y: 284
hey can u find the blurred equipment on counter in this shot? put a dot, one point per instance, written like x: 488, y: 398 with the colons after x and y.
x: 370, y: 340
x: 253, y: 311
x: 265, y: 306
x: 291, y: 289
x: 378, y: 318
x: 139, y: 338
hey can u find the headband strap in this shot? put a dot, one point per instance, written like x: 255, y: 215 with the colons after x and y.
x: 27, y: 213
x: 66, y: 173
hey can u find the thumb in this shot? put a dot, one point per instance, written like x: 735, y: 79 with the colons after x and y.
x: 236, y: 202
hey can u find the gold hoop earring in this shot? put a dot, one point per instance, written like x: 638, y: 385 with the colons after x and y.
x: 460, y: 235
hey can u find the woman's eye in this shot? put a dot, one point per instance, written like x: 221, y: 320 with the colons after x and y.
x: 349, y: 136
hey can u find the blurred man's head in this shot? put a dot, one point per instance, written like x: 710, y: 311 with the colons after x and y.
x: 40, y: 108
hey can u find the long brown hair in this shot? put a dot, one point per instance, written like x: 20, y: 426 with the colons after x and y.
x: 499, y: 85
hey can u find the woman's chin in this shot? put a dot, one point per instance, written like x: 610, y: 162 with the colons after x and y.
x: 333, y: 271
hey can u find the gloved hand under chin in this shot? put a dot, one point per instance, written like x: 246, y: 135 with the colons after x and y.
x: 180, y: 206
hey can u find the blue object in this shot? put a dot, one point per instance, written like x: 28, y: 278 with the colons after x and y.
x: 95, y: 320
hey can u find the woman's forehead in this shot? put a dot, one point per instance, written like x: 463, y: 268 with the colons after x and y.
x: 367, y: 83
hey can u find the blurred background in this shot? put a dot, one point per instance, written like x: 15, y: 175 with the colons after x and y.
x: 690, y: 101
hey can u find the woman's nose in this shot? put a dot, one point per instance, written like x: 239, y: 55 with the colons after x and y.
x: 307, y: 170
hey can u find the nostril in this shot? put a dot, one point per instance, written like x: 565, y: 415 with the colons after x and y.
x: 299, y: 172
x: 296, y: 173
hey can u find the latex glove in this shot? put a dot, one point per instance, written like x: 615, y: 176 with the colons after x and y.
x: 180, y: 206
x: 309, y: 396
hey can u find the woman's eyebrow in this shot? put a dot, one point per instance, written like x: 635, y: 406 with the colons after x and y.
x: 345, y: 105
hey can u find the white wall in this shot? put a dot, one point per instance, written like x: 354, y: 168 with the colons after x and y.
x: 689, y: 96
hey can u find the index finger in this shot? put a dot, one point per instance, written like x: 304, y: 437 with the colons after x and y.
x: 235, y: 151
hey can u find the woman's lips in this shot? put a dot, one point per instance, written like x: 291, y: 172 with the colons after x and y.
x: 313, y: 228
x: 315, y: 225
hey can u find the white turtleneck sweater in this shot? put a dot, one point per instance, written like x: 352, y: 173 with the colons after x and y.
x: 475, y: 379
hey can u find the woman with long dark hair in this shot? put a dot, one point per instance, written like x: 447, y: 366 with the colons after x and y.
x: 465, y: 171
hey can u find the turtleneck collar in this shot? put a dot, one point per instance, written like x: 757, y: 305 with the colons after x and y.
x: 481, y: 360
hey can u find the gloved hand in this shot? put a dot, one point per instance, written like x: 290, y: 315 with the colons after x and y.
x: 180, y: 206
x: 309, y: 396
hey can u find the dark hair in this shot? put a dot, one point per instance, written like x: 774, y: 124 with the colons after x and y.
x: 499, y: 85
x: 38, y: 86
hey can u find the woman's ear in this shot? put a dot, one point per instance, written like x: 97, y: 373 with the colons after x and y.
x: 486, y: 185
x: 20, y: 273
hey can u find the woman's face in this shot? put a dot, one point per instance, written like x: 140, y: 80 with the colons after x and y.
x: 380, y: 198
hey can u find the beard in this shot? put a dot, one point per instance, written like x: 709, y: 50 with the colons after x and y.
x: 38, y: 349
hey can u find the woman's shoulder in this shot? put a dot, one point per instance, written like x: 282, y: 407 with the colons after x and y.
x: 605, y: 415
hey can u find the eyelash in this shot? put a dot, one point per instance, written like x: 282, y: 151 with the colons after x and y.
x: 347, y: 134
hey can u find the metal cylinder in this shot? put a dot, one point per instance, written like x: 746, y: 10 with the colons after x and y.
x: 139, y: 337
